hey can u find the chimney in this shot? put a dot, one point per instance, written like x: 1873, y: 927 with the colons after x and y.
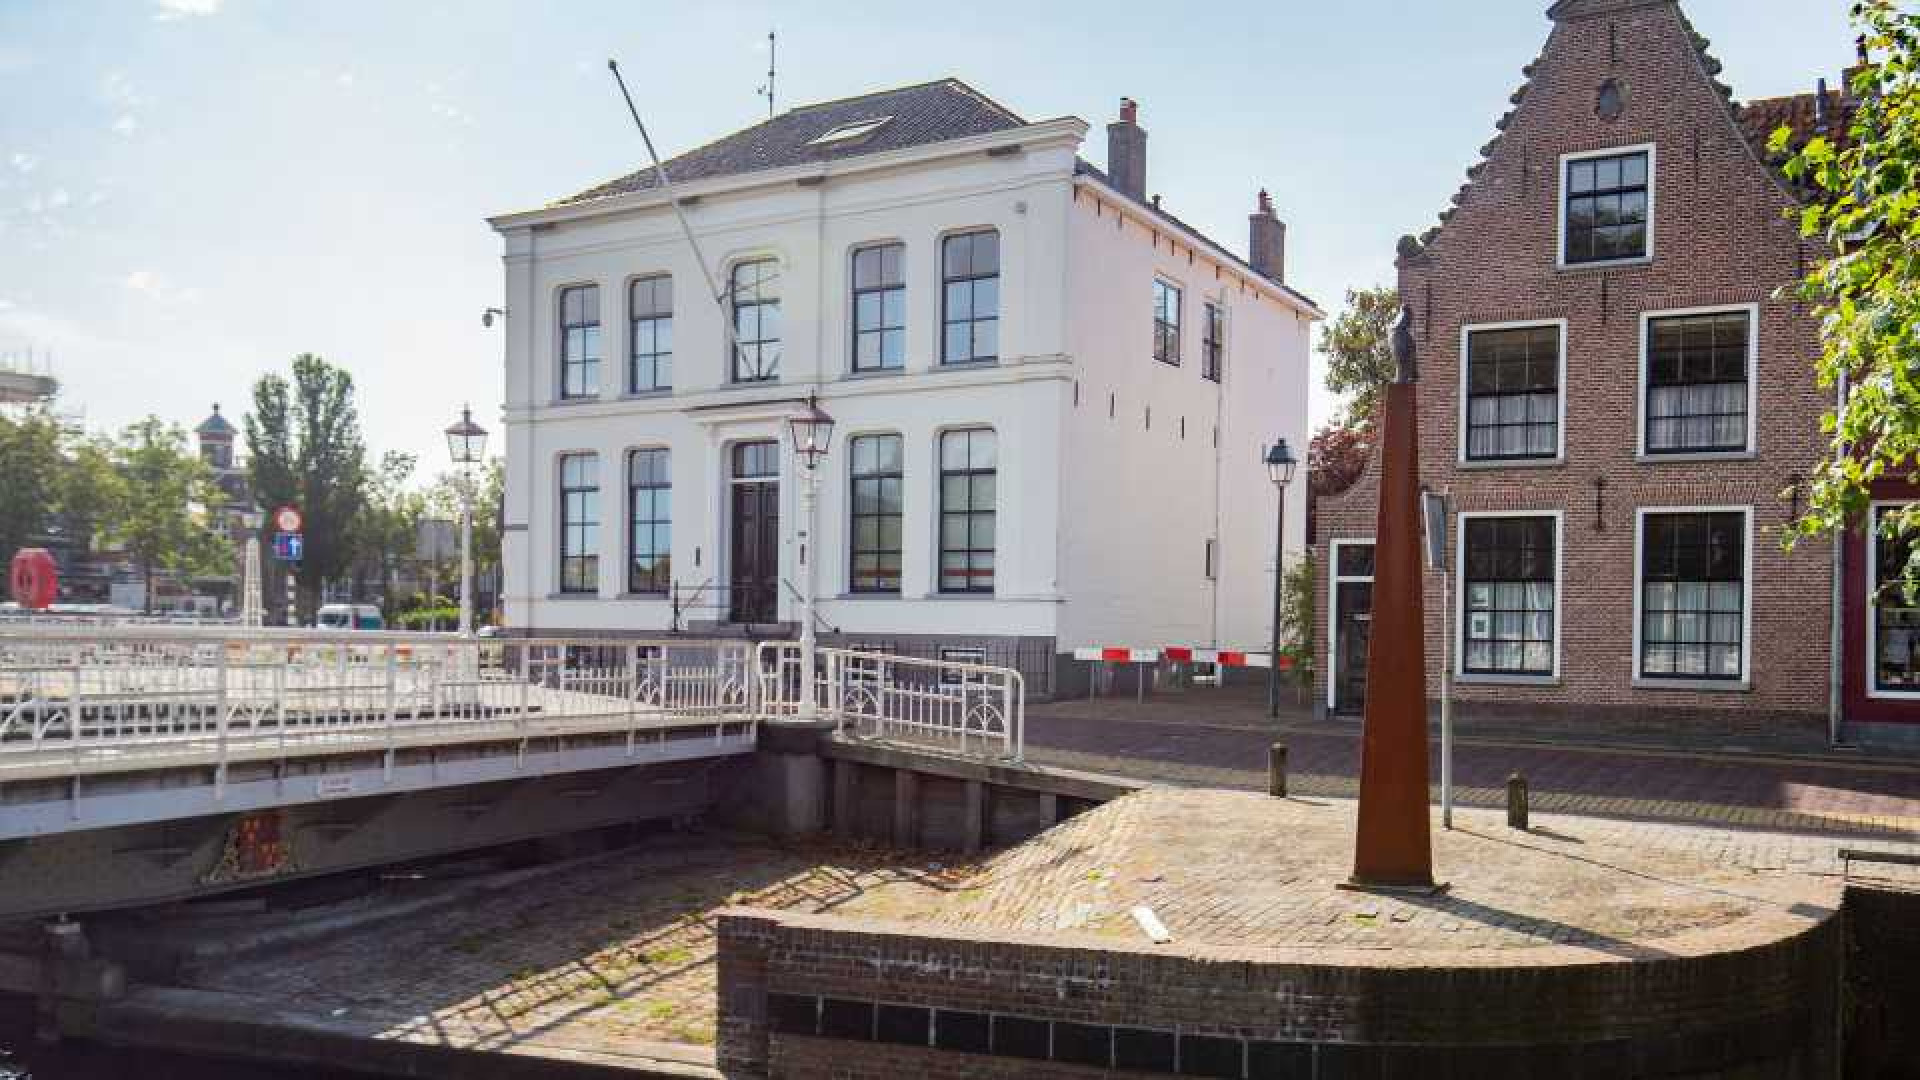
x: 1127, y: 152
x: 1267, y: 240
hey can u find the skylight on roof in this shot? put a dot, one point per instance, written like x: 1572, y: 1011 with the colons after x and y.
x: 847, y: 133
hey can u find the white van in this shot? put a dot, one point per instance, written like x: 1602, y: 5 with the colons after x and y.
x: 350, y: 617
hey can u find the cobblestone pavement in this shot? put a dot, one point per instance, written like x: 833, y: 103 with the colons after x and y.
x: 1241, y: 870
x: 1220, y: 738
x: 595, y: 955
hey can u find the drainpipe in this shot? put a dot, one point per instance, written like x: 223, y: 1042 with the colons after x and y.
x: 1836, y: 636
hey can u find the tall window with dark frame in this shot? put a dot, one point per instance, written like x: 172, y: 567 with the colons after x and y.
x: 1896, y: 618
x: 1692, y: 595
x: 879, y: 308
x: 650, y: 340
x: 875, y: 518
x: 580, y: 341
x: 754, y: 291
x: 1606, y: 208
x: 1213, y: 342
x: 1513, y: 393
x: 1166, y: 322
x: 970, y: 297
x: 649, y: 521
x: 1508, y: 587
x: 968, y: 463
x: 1697, y: 382
x: 580, y: 523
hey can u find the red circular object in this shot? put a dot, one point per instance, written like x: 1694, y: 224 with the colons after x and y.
x: 35, y: 578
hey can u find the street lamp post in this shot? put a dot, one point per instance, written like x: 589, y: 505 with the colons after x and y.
x: 812, y: 432
x: 1280, y: 465
x: 466, y: 444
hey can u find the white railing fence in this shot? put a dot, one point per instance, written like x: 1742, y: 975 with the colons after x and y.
x: 973, y: 710
x: 131, y: 697
x: 91, y: 700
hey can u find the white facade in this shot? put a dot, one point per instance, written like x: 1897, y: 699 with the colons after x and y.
x: 1102, y: 518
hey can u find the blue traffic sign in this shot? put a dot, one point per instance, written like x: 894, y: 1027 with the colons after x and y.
x: 288, y: 547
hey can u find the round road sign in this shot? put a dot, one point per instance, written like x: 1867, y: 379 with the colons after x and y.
x: 287, y: 519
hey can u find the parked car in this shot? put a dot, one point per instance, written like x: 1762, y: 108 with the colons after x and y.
x: 350, y: 617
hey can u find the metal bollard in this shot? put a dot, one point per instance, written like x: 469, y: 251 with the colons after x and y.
x: 1277, y: 770
x: 1516, y: 801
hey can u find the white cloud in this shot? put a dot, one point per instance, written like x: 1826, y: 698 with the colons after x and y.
x: 126, y: 125
x: 452, y: 112
x: 345, y: 79
x: 58, y: 198
x: 118, y: 90
x: 23, y: 161
x: 170, y: 10
x: 156, y: 288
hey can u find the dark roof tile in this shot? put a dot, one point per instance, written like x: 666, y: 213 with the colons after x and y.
x: 920, y: 115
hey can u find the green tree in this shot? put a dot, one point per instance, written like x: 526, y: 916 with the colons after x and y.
x: 1866, y: 206
x: 1359, y: 349
x: 305, y: 450
x: 1296, y: 618
x: 32, y: 460
x: 89, y: 488
x: 160, y: 505
x: 389, y: 522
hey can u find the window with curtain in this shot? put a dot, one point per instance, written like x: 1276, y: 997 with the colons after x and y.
x: 1507, y: 590
x: 1513, y: 393
x: 1697, y: 382
x: 1692, y: 594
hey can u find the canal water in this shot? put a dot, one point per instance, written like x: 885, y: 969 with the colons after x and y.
x: 23, y: 1059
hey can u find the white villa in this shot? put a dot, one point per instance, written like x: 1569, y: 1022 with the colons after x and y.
x: 1051, y: 396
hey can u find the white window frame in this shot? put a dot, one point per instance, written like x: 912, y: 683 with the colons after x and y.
x: 1687, y: 682
x: 1560, y: 211
x: 1560, y: 421
x: 1334, y: 580
x: 1870, y: 669
x: 1460, y: 672
x: 1753, y: 383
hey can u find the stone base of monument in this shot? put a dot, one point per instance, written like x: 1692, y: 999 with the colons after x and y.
x: 1583, y: 948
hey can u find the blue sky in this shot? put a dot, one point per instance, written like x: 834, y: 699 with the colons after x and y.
x: 192, y: 191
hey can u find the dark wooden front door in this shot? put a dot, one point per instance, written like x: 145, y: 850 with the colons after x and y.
x: 755, y: 579
x: 1355, y: 600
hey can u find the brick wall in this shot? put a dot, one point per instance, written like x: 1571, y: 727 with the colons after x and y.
x: 1719, y: 238
x: 807, y: 996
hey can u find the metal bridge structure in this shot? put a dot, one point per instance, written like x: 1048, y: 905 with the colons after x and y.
x: 140, y: 765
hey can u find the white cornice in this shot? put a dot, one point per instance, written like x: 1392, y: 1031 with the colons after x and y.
x: 1067, y: 131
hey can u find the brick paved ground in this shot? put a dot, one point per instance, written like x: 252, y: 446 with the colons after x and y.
x: 595, y: 955
x: 1219, y: 737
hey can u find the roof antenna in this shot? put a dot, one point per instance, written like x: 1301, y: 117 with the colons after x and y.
x: 666, y: 187
x: 766, y: 91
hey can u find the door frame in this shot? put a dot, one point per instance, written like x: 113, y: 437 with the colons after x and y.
x: 730, y: 519
x: 1334, y: 581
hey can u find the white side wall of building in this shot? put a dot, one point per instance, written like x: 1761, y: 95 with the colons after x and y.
x: 1161, y: 460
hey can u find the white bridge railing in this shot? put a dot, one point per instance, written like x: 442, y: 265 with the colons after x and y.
x: 85, y: 700
x: 972, y: 710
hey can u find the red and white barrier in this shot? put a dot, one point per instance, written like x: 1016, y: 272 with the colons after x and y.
x: 1180, y: 654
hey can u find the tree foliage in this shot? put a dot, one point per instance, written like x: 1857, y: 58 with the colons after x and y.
x: 1359, y: 349
x: 1866, y: 207
x: 1336, y: 456
x: 489, y: 487
x: 305, y: 449
x: 158, y: 511
x: 1297, y: 595
x: 31, y: 459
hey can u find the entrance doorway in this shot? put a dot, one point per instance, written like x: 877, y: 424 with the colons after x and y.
x: 754, y: 580
x: 1352, y: 622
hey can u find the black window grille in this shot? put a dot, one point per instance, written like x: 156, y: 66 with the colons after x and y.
x: 1508, y: 592
x: 1166, y: 323
x: 1213, y: 343
x: 1606, y: 208
x: 1692, y: 601
x: 650, y: 521
x: 968, y: 464
x: 970, y: 300
x: 650, y: 348
x: 879, y: 308
x: 754, y: 290
x: 875, y: 517
x: 1513, y: 393
x: 1697, y: 382
x: 579, y: 523
x: 580, y: 341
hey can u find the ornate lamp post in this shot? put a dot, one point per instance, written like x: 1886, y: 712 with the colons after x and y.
x: 812, y: 433
x: 1280, y: 465
x: 467, y: 445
